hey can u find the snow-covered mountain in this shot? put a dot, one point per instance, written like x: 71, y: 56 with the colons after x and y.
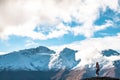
x: 38, y: 59
x: 110, y: 52
x: 29, y: 59
x: 45, y: 59
x: 65, y: 59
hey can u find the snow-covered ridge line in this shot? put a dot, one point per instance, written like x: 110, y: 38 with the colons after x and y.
x: 40, y: 58
x: 43, y: 58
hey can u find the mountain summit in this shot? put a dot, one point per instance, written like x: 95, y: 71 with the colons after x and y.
x: 110, y: 52
x: 65, y: 59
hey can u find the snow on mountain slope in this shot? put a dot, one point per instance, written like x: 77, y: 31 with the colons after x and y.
x: 40, y: 58
x: 65, y: 59
x: 29, y: 59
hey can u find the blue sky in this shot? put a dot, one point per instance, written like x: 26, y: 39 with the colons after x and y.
x: 50, y: 23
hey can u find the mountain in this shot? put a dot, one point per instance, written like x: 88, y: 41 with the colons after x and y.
x: 46, y: 64
x: 117, y: 68
x: 67, y: 56
x: 65, y: 59
x: 110, y: 52
x: 28, y: 59
x: 38, y: 59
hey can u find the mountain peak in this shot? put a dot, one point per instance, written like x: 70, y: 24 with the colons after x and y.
x: 110, y: 52
x: 68, y: 58
x: 42, y: 49
x: 68, y: 50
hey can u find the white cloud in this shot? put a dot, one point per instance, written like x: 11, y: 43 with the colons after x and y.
x: 59, y: 31
x: 118, y: 34
x: 109, y: 42
x: 2, y: 53
x: 106, y: 25
x: 31, y: 43
x: 113, y: 58
x: 20, y: 17
x: 88, y: 30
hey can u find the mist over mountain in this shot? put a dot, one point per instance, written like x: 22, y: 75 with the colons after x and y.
x: 61, y: 65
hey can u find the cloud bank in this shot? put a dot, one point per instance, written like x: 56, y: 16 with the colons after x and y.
x: 21, y: 17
